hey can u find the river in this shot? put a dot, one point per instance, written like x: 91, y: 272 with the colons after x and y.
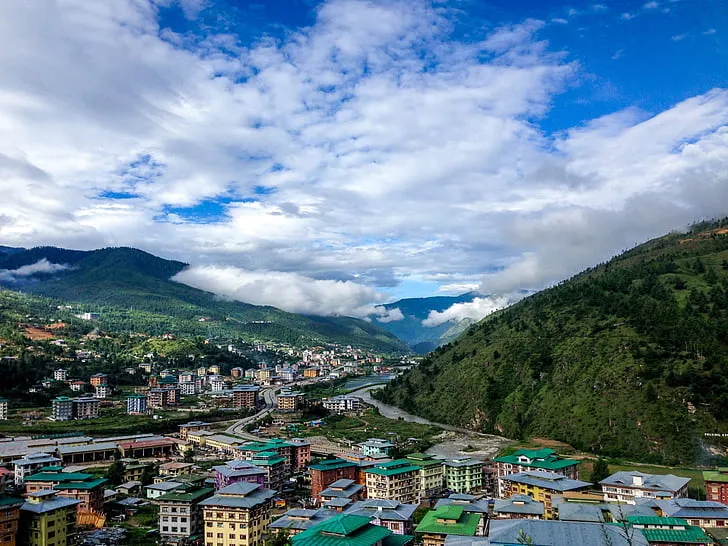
x: 456, y: 442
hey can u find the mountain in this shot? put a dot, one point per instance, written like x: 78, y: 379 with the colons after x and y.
x: 133, y: 292
x: 627, y: 359
x: 423, y: 339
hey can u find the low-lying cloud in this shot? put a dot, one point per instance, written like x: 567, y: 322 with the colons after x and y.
x: 290, y: 292
x: 385, y: 315
x: 41, y: 267
x: 475, y: 310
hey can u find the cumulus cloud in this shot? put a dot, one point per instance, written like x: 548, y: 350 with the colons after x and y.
x: 262, y: 154
x: 41, y: 267
x: 474, y: 310
x: 385, y: 315
x: 288, y: 291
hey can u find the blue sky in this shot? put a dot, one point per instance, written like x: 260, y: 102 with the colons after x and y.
x: 325, y: 156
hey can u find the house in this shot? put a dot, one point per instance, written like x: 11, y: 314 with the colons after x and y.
x: 464, y: 475
x: 705, y: 514
x: 128, y: 488
x: 156, y: 490
x: 513, y: 532
x: 193, y: 426
x: 518, y: 507
x: 627, y: 486
x: 99, y: 379
x: 180, y: 515
x: 394, y: 480
x: 328, y: 471
x: 349, y: 530
x: 85, y: 488
x: 47, y: 519
x: 432, y: 473
x: 470, y: 504
x: 342, y: 489
x: 297, y: 520
x: 376, y: 446
x: 446, y: 521
x: 393, y: 515
x: 669, y: 531
x: 238, y: 471
x: 524, y: 460
x: 237, y: 514
x: 30, y: 464
x: 176, y: 468
x: 716, y: 485
x: 541, y: 486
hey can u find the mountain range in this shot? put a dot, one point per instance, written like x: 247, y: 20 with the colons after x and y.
x: 133, y: 292
x: 628, y: 359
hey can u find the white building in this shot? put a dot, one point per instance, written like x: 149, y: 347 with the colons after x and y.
x: 216, y: 383
x: 187, y: 388
x: 62, y: 409
x: 136, y: 404
x: 77, y: 386
x: 3, y: 409
x: 626, y: 486
x: 102, y: 391
x: 342, y: 404
x: 30, y: 464
x: 60, y: 374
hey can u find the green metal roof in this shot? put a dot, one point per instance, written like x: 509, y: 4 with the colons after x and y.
x: 656, y: 520
x: 422, y: 459
x: 720, y: 475
x: 392, y: 468
x: 332, y: 464
x: 191, y: 495
x: 540, y: 458
x: 691, y: 535
x: 58, y: 477
x: 89, y: 484
x: 343, y: 530
x: 465, y: 525
x: 9, y: 501
x: 397, y: 540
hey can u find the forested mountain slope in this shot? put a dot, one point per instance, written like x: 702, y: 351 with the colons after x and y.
x: 133, y: 292
x: 627, y: 359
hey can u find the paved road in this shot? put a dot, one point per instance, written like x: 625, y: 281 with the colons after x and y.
x: 238, y: 428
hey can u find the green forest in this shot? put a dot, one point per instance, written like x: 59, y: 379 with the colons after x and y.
x: 628, y: 359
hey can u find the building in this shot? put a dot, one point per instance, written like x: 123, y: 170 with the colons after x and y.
x: 85, y: 488
x: 180, y: 515
x: 524, y: 460
x: 300, y: 454
x: 47, y: 519
x: 237, y: 515
x: 217, y: 383
x: 3, y: 409
x: 238, y: 471
x: 77, y: 386
x: 705, y: 514
x: 144, y: 448
x: 245, y: 396
x: 297, y: 520
x: 446, y: 521
x: 541, y: 486
x: 274, y: 466
x: 349, y: 530
x: 86, y: 407
x: 193, y: 426
x: 518, y: 507
x: 393, y: 515
x: 342, y: 489
x: 187, y: 388
x: 173, y: 395
x: 155, y: 490
x: 102, y: 391
x: 627, y: 486
x: 9, y: 520
x: 470, y: 504
x: 290, y: 401
x: 514, y: 532
x: 394, y: 480
x: 136, y: 404
x: 30, y: 464
x: 463, y: 475
x: 236, y: 372
x: 158, y: 398
x: 669, y: 531
x: 375, y: 447
x: 310, y: 373
x: 296, y: 451
x: 223, y: 444
x: 328, y: 471
x: 99, y: 379
x: 62, y: 409
x: 342, y: 404
x: 432, y: 473
x: 716, y: 485
x: 173, y: 469
x: 60, y: 374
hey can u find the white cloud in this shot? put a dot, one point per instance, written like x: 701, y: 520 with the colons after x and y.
x: 42, y: 266
x: 679, y: 37
x: 473, y: 310
x: 560, y: 21
x: 626, y: 16
x: 288, y: 291
x: 651, y: 5
x: 618, y: 54
x: 709, y: 32
x: 385, y: 315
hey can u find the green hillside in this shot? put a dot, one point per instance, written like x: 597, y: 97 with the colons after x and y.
x: 132, y: 291
x: 627, y: 359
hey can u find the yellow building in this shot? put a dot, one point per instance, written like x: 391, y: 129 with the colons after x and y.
x: 237, y: 515
x: 311, y: 372
x: 47, y: 519
x: 290, y: 401
x: 541, y: 486
x: 394, y: 480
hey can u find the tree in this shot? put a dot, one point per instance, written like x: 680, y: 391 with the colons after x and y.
x: 148, y: 474
x: 115, y: 473
x: 600, y: 470
x: 523, y: 538
x: 279, y: 539
x: 189, y: 456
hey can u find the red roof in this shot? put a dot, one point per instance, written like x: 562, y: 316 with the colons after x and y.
x: 146, y: 443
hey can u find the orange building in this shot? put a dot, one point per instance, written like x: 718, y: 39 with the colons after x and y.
x: 9, y: 518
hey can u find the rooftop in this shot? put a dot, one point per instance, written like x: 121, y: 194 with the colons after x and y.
x: 655, y: 482
x: 240, y: 495
x: 449, y: 520
x: 332, y: 464
x: 546, y: 459
x: 470, y: 503
x: 190, y: 495
x: 383, y: 509
x: 519, y: 504
x: 392, y: 468
x: 546, y: 480
x: 344, y: 530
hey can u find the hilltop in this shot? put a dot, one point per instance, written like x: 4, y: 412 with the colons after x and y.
x: 627, y: 359
x: 132, y: 291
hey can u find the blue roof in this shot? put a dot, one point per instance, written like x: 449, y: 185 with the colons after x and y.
x: 469, y: 503
x: 519, y: 504
x: 652, y: 482
x: 387, y: 510
x: 691, y: 508
x: 546, y: 480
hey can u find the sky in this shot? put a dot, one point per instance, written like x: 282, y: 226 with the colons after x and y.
x: 328, y: 156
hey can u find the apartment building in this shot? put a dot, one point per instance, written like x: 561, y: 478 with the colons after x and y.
x: 328, y: 471
x: 85, y: 488
x: 716, y: 485
x: 237, y: 515
x: 62, y: 409
x: 47, y: 519
x: 191, y: 427
x: 180, y: 514
x: 245, y: 396
x: 136, y: 404
x: 432, y: 473
x: 464, y: 475
x: 628, y: 486
x: 290, y: 401
x: 542, y: 486
x: 99, y: 379
x: 9, y: 520
x: 238, y: 471
x: 3, y: 409
x: 342, y: 404
x: 86, y: 407
x: 394, y: 480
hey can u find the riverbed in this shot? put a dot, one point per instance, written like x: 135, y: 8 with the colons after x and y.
x: 453, y: 442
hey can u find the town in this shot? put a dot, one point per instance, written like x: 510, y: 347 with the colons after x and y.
x: 268, y: 469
